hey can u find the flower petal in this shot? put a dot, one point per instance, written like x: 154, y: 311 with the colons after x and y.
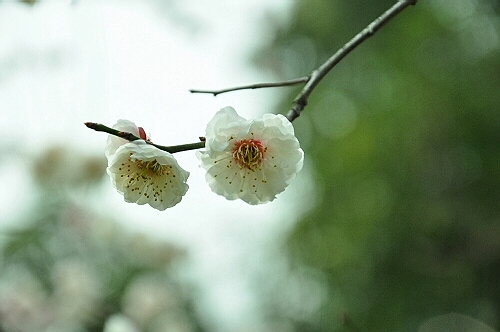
x: 114, y: 142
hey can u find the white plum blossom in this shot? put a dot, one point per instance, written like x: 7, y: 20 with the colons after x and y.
x: 115, y: 142
x: 253, y: 160
x: 120, y: 323
x: 144, y: 174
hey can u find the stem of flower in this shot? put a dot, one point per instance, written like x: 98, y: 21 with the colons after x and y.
x: 131, y: 137
x: 184, y: 147
x: 111, y: 131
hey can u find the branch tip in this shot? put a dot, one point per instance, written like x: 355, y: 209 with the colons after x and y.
x: 91, y: 125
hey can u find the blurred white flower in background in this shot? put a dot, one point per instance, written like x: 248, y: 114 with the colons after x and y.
x: 23, y: 301
x: 120, y: 323
x: 250, y: 159
x: 144, y: 174
x: 77, y: 291
x: 148, y: 297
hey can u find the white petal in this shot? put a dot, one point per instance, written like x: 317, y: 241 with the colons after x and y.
x: 114, y: 142
x: 222, y: 119
x: 225, y: 124
x: 279, y: 121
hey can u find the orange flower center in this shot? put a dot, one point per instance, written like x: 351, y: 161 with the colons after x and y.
x: 248, y: 153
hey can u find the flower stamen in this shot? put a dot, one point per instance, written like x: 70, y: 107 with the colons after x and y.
x: 248, y: 153
x: 152, y: 167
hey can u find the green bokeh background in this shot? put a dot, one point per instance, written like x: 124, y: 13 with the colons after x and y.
x: 403, y: 140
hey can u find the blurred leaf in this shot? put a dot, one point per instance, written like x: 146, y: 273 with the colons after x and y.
x: 403, y: 137
x: 454, y: 322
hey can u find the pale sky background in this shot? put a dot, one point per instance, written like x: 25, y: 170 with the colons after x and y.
x: 62, y: 65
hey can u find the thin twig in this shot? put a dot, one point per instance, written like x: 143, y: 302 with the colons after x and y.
x: 300, y: 101
x: 131, y: 137
x: 255, y: 86
x: 317, y: 75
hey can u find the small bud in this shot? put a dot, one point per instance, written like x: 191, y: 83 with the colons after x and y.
x: 142, y: 133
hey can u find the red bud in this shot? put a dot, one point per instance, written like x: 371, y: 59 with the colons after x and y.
x: 142, y: 133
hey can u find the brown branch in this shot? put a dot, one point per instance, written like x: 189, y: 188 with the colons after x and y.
x: 300, y: 101
x: 255, y: 86
x: 131, y: 137
x: 317, y: 75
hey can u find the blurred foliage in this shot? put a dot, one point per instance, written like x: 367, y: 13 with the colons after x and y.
x: 28, y: 2
x: 72, y: 269
x: 403, y: 139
